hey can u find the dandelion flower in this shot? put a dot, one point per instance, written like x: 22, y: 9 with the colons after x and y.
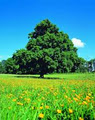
x: 58, y: 111
x: 81, y: 118
x: 41, y: 107
x: 14, y: 100
x: 73, y: 90
x: 70, y: 111
x: 84, y: 103
x: 41, y: 115
x: 47, y: 107
x: 19, y: 103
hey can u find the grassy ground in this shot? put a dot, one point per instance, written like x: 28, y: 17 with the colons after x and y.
x: 70, y: 76
x: 57, y: 97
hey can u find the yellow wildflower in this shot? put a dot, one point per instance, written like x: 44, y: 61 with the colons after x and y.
x: 84, y: 103
x: 89, y: 94
x: 20, y: 97
x: 41, y: 115
x: 47, y: 107
x: 75, y: 99
x: 73, y: 90
x: 27, y: 100
x: 66, y: 96
x: 70, y: 111
x: 19, y: 103
x: 41, y: 107
x: 78, y: 96
x: 58, y: 111
x: 81, y: 118
x: 87, y: 98
x: 14, y: 100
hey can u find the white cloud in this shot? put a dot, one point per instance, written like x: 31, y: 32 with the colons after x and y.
x: 77, y: 42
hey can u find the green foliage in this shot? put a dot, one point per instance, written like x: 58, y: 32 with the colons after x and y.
x: 2, y: 67
x: 48, y: 50
x: 10, y: 66
x: 54, y: 50
x: 25, y: 61
x: 82, y: 65
x: 91, y: 65
x: 42, y: 28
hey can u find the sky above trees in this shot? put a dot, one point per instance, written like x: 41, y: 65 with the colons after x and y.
x: 19, y: 17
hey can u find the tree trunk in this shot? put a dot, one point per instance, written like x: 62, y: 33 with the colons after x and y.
x: 41, y: 75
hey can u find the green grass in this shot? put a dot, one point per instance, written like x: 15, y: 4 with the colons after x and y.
x: 57, y: 97
x: 66, y: 76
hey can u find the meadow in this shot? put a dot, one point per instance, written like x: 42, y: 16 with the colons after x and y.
x: 56, y: 97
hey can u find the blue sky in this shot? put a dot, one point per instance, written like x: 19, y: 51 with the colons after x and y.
x: 74, y: 17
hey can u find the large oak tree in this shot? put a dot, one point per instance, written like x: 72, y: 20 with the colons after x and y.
x: 52, y: 49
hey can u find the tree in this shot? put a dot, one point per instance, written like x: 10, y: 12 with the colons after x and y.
x: 1, y: 68
x: 52, y: 49
x: 25, y: 61
x: 91, y: 64
x: 81, y: 65
x: 10, y: 66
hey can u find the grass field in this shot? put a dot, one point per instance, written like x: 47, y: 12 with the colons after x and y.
x: 57, y: 97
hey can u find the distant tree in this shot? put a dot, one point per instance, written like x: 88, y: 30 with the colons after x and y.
x: 10, y: 66
x: 3, y: 65
x: 91, y: 64
x: 52, y: 49
x: 1, y: 68
x: 81, y: 65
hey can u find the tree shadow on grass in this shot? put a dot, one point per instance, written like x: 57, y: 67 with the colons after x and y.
x: 25, y: 76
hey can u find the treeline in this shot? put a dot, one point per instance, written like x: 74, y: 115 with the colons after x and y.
x: 48, y: 50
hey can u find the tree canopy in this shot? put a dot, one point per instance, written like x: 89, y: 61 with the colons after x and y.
x: 10, y: 66
x: 48, y: 50
x: 53, y: 49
